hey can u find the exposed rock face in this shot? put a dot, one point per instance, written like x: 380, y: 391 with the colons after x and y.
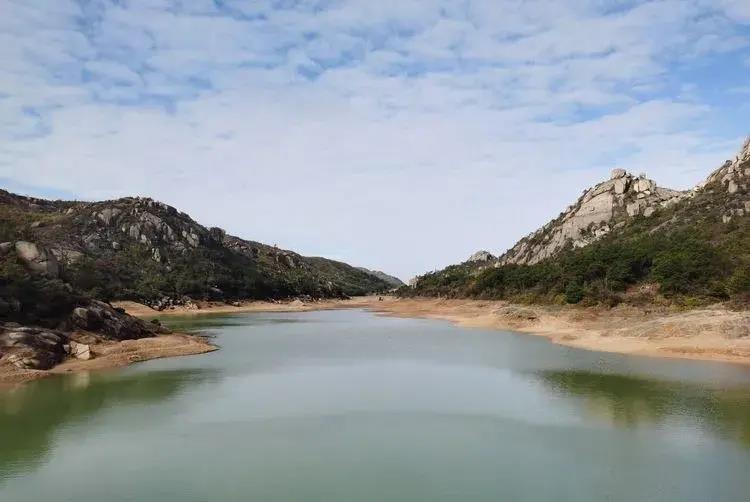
x: 732, y: 179
x: 622, y: 197
x: 481, y: 256
x: 37, y: 259
x: 734, y: 175
x: 594, y: 215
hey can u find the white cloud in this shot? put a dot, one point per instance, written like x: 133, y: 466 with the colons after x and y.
x: 399, y: 135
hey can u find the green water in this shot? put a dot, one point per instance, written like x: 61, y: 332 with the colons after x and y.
x: 348, y: 406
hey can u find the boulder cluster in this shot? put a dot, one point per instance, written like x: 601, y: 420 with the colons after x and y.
x: 34, y: 347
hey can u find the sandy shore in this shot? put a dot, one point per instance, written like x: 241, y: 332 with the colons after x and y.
x: 146, y: 312
x: 715, y: 333
x: 111, y: 354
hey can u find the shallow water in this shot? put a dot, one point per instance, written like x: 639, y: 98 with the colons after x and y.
x: 349, y: 406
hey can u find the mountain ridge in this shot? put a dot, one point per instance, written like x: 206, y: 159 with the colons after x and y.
x: 142, y: 249
x: 624, y: 231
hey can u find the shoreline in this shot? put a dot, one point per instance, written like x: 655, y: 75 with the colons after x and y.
x: 706, y: 334
x: 114, y: 354
x: 710, y: 334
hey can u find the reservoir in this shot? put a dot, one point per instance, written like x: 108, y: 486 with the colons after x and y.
x: 350, y: 406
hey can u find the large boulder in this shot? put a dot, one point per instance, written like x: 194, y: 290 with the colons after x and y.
x: 108, y: 322
x: 482, y: 256
x: 31, y: 347
x: 37, y: 259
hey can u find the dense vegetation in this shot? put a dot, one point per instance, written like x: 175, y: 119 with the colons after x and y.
x: 686, y: 255
x: 31, y: 298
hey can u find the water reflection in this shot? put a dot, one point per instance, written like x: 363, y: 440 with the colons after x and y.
x: 628, y: 401
x: 201, y: 322
x: 30, y: 415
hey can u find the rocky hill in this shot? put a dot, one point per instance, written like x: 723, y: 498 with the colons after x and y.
x: 624, y: 235
x: 393, y: 282
x: 608, y: 205
x: 144, y: 250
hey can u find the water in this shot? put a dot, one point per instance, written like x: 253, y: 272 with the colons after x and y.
x: 348, y: 406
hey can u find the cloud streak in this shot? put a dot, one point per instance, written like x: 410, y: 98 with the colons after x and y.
x: 398, y: 135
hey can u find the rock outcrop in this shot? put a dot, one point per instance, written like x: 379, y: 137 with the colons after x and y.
x: 593, y: 216
x: 732, y: 180
x: 481, y: 257
x: 37, y: 258
x: 31, y: 347
x: 35, y: 347
x: 109, y: 322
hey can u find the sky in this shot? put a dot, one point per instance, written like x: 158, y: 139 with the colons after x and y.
x: 401, y: 135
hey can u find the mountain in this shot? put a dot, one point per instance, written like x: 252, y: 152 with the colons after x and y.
x: 625, y: 239
x: 145, y: 250
x: 393, y: 282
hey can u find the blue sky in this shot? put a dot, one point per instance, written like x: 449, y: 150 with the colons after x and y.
x: 400, y: 135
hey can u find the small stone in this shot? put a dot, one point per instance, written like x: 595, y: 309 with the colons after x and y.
x: 80, y: 351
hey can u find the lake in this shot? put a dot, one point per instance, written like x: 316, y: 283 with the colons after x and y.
x: 349, y: 406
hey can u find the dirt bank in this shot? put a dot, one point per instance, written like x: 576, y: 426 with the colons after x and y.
x: 112, y: 354
x: 713, y: 333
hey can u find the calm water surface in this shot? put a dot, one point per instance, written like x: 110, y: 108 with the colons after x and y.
x: 347, y: 406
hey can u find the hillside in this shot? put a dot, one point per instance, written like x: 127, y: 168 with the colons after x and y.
x: 393, y: 282
x: 144, y: 250
x: 625, y: 239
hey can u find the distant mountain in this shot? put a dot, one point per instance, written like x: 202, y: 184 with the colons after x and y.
x: 393, y: 282
x: 141, y: 249
x: 623, y: 239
